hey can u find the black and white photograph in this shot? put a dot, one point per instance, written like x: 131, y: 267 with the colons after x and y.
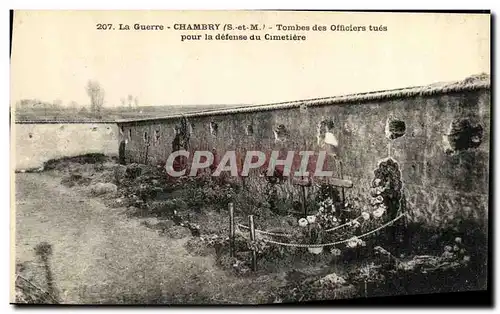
x: 249, y: 157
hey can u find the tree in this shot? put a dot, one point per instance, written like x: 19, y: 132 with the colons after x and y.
x: 96, y: 94
x: 25, y: 103
x: 130, y: 98
x: 56, y: 104
x: 83, y: 112
x: 136, y: 101
x: 73, y: 104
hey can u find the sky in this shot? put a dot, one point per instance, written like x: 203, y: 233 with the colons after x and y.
x: 55, y: 53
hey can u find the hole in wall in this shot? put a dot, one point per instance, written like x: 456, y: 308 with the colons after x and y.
x: 30, y: 135
x: 325, y: 133
x: 129, y: 134
x: 281, y: 134
x: 303, y: 108
x: 249, y: 129
x: 157, y: 136
x: 214, y: 128
x: 463, y: 135
x: 94, y: 129
x: 395, y: 128
x: 145, y: 136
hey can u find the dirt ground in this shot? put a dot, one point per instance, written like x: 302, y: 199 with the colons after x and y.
x: 100, y: 256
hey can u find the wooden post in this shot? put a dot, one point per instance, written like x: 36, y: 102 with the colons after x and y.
x: 252, y: 237
x: 231, y: 229
x: 304, y: 207
x: 304, y: 183
x: 303, y: 188
x: 342, y: 178
x: 366, y: 285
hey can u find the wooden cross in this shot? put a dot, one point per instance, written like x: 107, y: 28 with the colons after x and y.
x: 305, y: 182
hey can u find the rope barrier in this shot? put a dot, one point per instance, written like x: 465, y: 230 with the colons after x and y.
x: 286, y: 235
x: 344, y: 225
x: 332, y: 243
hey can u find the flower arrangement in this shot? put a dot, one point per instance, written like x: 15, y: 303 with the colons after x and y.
x: 365, y: 215
x: 378, y: 202
x: 456, y: 252
x: 454, y: 256
x: 312, y: 232
x: 332, y: 281
x: 328, y: 215
x: 386, y: 189
x: 355, y: 242
x: 335, y: 251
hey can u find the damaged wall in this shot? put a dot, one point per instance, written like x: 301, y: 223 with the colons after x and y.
x: 415, y: 127
x: 36, y: 143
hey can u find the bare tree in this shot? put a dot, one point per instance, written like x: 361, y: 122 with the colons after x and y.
x: 73, y: 106
x: 136, y: 101
x: 122, y: 100
x: 96, y: 94
x: 83, y: 112
x: 56, y: 104
x: 25, y: 103
x: 130, y: 98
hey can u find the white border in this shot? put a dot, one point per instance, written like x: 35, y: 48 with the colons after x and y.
x: 252, y: 5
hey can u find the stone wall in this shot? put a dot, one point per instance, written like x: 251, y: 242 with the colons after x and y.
x: 36, y: 143
x: 444, y: 176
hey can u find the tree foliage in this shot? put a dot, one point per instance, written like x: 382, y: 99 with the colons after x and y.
x: 96, y: 95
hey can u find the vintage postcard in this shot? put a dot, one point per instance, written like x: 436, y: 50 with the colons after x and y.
x: 248, y: 157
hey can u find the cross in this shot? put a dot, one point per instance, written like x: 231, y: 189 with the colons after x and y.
x: 305, y: 182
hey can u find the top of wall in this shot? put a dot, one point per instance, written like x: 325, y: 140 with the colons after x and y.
x: 474, y: 82
x: 64, y: 122
x: 471, y: 83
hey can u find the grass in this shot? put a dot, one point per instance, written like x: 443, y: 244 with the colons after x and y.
x: 108, y: 113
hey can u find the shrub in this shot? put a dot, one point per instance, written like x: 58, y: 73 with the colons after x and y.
x: 316, y: 288
x: 75, y: 179
x: 102, y: 188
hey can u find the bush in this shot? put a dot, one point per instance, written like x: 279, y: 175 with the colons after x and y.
x: 166, y: 208
x: 316, y: 288
x: 75, y: 179
x: 210, y: 195
x: 61, y: 163
x: 178, y: 232
x: 103, y: 188
x: 133, y: 171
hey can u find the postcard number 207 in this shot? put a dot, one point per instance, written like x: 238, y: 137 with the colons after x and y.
x: 104, y: 26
